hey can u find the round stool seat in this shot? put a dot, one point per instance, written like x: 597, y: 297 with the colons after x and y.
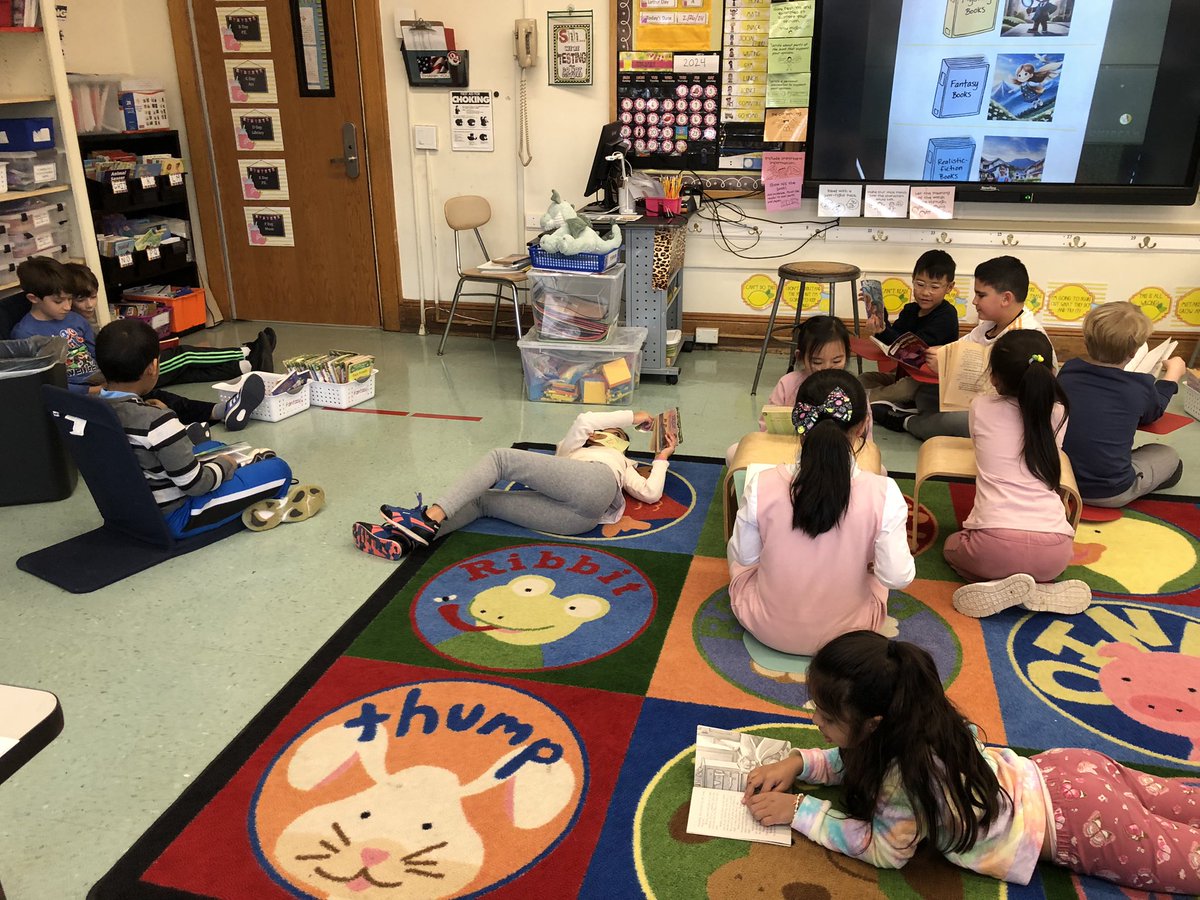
x: 1099, y: 514
x: 816, y: 270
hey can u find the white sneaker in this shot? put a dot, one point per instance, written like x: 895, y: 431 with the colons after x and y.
x: 987, y: 598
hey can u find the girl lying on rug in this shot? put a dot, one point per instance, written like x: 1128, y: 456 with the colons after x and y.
x: 986, y: 808
x: 821, y: 515
x: 581, y: 486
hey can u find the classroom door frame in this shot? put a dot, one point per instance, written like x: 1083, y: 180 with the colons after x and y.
x: 377, y: 144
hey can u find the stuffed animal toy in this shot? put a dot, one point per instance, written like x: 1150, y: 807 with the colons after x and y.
x: 572, y: 234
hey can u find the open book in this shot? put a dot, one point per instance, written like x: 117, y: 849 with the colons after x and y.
x: 908, y: 350
x: 666, y: 423
x: 723, y: 760
x: 962, y: 374
x: 1151, y: 361
x: 241, y: 453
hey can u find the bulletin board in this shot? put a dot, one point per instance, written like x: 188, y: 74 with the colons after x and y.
x: 709, y: 85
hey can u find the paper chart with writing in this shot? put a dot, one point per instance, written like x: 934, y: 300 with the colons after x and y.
x: 268, y: 226
x: 258, y: 130
x: 677, y: 25
x: 744, y: 87
x: 789, y: 54
x: 471, y: 126
x: 783, y: 179
x: 251, y: 81
x: 264, y: 179
x: 244, y: 29
x: 570, y: 51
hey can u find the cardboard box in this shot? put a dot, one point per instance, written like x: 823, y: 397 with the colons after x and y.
x: 143, y: 106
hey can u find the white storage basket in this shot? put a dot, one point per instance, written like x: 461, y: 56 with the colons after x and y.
x: 273, y: 408
x: 341, y: 396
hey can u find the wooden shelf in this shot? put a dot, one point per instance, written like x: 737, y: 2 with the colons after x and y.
x: 9, y: 285
x: 32, y: 98
x: 36, y: 29
x: 21, y: 195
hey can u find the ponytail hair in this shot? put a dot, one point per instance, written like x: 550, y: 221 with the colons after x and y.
x: 862, y: 675
x: 830, y: 404
x: 1022, y: 364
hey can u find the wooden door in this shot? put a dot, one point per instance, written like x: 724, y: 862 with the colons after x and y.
x: 312, y: 256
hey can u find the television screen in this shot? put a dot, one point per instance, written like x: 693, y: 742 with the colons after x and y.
x: 1023, y: 100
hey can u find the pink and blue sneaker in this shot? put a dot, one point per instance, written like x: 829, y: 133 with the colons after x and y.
x: 384, y: 541
x: 413, y: 521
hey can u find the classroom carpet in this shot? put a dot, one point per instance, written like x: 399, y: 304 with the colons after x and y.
x: 514, y: 714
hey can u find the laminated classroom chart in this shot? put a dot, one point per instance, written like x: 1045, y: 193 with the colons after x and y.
x: 783, y: 179
x: 885, y: 201
x: 789, y: 54
x: 269, y: 226
x: 264, y: 179
x: 570, y: 47
x: 244, y: 29
x: 677, y: 25
x: 251, y: 81
x: 925, y: 202
x: 746, y: 35
x: 839, y: 200
x: 977, y: 95
x: 471, y: 126
x: 258, y: 130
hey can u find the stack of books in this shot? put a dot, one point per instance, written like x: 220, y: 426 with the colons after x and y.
x: 334, y: 367
x: 514, y: 262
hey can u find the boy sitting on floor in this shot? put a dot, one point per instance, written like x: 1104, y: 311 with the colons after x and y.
x: 194, y: 497
x: 1107, y: 406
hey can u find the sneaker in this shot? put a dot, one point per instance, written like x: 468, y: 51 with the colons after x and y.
x: 412, y: 521
x: 244, y: 402
x: 383, y: 541
x: 889, y: 415
x: 198, y: 432
x: 1174, y: 479
x: 987, y: 598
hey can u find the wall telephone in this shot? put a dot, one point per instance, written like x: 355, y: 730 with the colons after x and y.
x: 525, y: 39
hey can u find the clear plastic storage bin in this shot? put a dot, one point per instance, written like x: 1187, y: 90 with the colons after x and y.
x: 577, y: 373
x: 29, y: 170
x: 575, y: 306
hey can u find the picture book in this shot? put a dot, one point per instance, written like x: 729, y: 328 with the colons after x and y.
x: 1025, y: 87
x: 292, y: 384
x: 1151, y: 361
x: 873, y: 290
x: 666, y: 424
x: 960, y: 88
x: 723, y: 760
x: 949, y: 159
x: 967, y: 17
x: 908, y: 350
x: 962, y: 374
x: 778, y: 420
x: 241, y: 453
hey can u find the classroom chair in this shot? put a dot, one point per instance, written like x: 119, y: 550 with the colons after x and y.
x: 954, y: 457
x: 809, y: 272
x: 134, y: 535
x: 758, y: 447
x: 470, y: 213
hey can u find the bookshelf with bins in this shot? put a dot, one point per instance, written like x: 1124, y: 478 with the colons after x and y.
x: 33, y: 84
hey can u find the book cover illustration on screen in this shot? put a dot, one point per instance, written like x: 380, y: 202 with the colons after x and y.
x: 967, y: 17
x: 1026, y: 18
x: 961, y: 86
x: 1012, y: 159
x: 949, y: 159
x: 1025, y: 87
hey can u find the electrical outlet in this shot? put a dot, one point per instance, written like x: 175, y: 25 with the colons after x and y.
x: 533, y: 220
x: 707, y: 335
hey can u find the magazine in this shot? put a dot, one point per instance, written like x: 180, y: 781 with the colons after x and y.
x: 1150, y: 361
x: 963, y: 374
x: 723, y: 760
x: 241, y: 453
x: 666, y: 423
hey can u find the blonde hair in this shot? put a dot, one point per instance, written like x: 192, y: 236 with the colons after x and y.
x: 1112, y: 332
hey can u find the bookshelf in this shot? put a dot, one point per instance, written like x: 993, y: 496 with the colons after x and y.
x: 33, y: 82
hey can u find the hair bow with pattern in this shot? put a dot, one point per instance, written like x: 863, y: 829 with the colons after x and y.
x: 836, y: 406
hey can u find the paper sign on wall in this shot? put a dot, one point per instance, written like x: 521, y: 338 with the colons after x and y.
x: 471, y: 120
x: 931, y: 203
x: 783, y: 193
x: 886, y: 201
x: 244, y: 29
x: 570, y: 50
x: 839, y: 200
x: 264, y: 179
x: 258, y: 130
x: 251, y: 81
x: 269, y: 227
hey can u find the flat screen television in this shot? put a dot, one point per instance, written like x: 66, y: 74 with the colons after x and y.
x: 1062, y: 101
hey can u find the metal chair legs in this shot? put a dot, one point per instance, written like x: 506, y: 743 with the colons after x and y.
x: 450, y: 318
x: 762, y: 354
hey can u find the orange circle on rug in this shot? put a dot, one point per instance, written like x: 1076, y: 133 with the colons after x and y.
x: 415, y: 791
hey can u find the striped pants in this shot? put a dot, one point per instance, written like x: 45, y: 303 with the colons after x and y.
x: 182, y: 364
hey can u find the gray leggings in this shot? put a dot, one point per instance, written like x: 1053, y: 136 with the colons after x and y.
x: 566, y: 496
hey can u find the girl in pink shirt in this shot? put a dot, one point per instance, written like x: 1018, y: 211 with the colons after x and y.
x: 1017, y: 539
x: 912, y: 768
x: 822, y: 515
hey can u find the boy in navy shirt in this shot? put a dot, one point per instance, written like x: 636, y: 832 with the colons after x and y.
x: 1107, y: 406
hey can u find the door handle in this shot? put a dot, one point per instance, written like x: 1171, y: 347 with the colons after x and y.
x: 349, y: 149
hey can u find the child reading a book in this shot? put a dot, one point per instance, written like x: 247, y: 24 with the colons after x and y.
x: 581, y: 486
x: 194, y: 497
x: 1109, y: 403
x: 823, y: 342
x: 930, y: 316
x: 1001, y: 286
x: 912, y: 768
x: 1017, y: 539
x: 818, y: 543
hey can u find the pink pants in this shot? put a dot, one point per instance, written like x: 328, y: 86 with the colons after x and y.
x: 985, y: 554
x: 1122, y: 825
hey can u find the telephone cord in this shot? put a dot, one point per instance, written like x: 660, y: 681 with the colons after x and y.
x: 523, y: 151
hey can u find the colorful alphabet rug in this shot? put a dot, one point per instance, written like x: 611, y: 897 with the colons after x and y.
x: 515, y: 714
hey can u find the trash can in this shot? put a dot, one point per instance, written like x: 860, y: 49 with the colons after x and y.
x: 34, y: 465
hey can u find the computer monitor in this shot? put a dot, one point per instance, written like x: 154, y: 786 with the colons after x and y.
x: 605, y: 175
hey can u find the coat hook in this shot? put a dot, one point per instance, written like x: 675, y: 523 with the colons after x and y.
x: 944, y: 238
x: 1076, y: 241
x: 1147, y: 244
x: 1010, y: 240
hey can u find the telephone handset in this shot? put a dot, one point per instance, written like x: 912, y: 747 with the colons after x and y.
x: 525, y: 35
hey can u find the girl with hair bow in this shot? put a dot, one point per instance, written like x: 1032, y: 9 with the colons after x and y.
x: 818, y: 543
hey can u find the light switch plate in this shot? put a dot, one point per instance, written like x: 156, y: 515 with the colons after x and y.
x: 425, y: 137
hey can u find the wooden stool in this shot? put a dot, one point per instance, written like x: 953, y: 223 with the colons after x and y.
x: 829, y: 273
x: 758, y: 447
x: 954, y: 457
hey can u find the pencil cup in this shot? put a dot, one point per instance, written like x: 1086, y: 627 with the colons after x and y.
x: 659, y: 205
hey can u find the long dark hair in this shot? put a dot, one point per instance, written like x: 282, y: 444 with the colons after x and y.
x: 860, y: 675
x: 1022, y: 364
x: 821, y: 488
x: 817, y: 331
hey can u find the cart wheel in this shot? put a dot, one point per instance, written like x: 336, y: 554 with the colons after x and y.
x: 672, y: 379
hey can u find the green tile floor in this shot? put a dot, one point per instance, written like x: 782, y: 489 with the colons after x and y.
x: 157, y: 673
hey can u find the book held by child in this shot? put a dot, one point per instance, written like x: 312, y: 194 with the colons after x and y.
x: 723, y: 761
x: 666, y: 424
